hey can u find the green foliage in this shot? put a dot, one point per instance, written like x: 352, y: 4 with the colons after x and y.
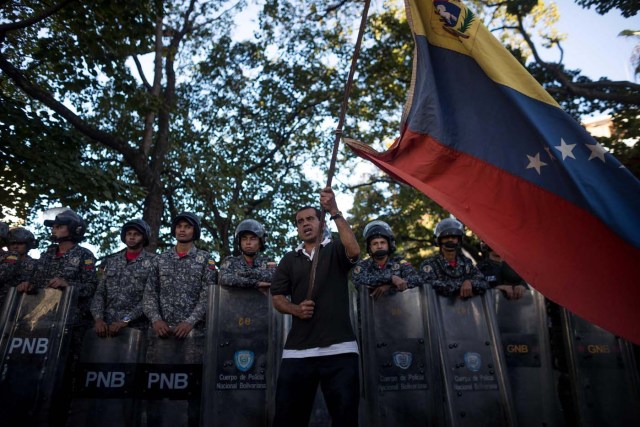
x: 628, y: 8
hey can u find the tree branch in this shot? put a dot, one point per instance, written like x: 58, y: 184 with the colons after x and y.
x: 622, y: 92
x: 36, y: 92
x: 34, y: 19
x: 370, y: 183
x: 140, y: 72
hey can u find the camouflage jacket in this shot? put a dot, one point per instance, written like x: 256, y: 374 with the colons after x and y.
x: 177, y: 288
x: 13, y: 271
x: 77, y: 266
x: 119, y: 293
x: 368, y: 273
x: 234, y: 271
x: 447, y: 280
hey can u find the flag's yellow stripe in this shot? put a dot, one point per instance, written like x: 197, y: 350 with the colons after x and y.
x: 494, y: 59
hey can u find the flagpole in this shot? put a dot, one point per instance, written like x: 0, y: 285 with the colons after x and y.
x: 336, y: 142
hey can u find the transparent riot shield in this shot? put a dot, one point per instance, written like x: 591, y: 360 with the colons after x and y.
x: 475, y: 382
x: 105, y: 385
x: 171, y: 381
x: 400, y: 366
x: 525, y: 345
x: 603, y: 375
x: 235, y: 379
x: 33, y: 349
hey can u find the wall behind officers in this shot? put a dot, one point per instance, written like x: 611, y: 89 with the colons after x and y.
x: 118, y: 299
x: 249, y: 269
x: 321, y: 346
x: 500, y: 275
x: 383, y: 270
x: 66, y: 263
x: 175, y: 297
x: 450, y: 272
x: 16, y: 266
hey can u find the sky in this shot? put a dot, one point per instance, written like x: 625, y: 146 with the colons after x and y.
x: 592, y: 41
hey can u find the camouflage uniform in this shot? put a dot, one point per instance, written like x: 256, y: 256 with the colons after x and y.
x: 120, y: 291
x: 177, y: 288
x: 447, y: 280
x: 368, y: 273
x: 77, y: 267
x: 13, y: 271
x: 235, y: 271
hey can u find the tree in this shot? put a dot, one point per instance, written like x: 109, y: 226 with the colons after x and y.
x: 219, y: 126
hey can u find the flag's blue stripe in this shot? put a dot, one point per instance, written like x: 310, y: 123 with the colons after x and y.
x: 456, y: 103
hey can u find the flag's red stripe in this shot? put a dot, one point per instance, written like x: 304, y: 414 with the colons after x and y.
x: 563, y: 251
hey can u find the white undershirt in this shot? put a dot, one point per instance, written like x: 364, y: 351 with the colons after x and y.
x: 339, y: 348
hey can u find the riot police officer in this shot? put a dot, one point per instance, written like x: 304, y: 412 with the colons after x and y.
x: 66, y: 263
x: 500, y: 275
x: 16, y: 266
x: 249, y: 269
x: 118, y: 299
x: 175, y: 297
x: 450, y: 272
x: 383, y: 270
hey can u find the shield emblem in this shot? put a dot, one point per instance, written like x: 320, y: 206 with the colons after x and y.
x: 473, y: 361
x: 243, y: 360
x: 402, y: 359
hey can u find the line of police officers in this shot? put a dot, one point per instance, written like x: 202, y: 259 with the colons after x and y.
x: 168, y: 292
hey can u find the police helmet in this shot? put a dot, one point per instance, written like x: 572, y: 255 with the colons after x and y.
x: 138, y: 225
x: 191, y: 218
x: 449, y: 227
x: 22, y: 235
x: 251, y: 226
x: 76, y: 225
x: 379, y: 228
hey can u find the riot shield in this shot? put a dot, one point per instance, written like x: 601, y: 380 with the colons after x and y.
x: 33, y: 349
x: 400, y: 366
x: 171, y: 381
x: 602, y: 371
x: 525, y: 345
x: 475, y: 383
x: 104, y: 387
x: 236, y: 357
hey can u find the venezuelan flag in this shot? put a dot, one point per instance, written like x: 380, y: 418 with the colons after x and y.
x: 485, y: 141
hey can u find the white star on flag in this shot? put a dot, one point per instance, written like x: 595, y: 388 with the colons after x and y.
x: 535, y: 162
x: 565, y: 149
x: 597, y: 150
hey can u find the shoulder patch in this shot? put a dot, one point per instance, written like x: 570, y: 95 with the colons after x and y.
x: 395, y: 266
x: 357, y: 270
x: 427, y: 268
x: 11, y: 259
x: 225, y: 264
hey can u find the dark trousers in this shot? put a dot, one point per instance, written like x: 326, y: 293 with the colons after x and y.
x: 298, y: 381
